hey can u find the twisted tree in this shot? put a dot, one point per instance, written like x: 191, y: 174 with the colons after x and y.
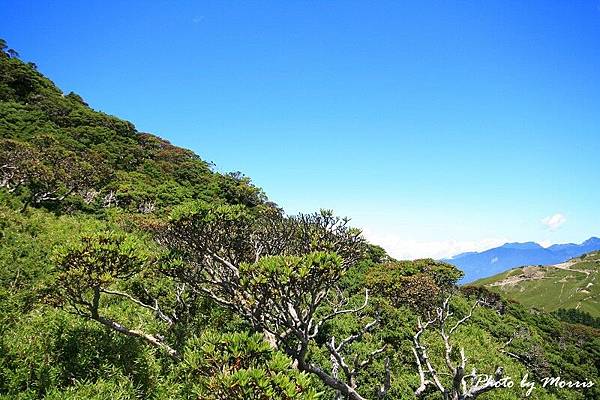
x: 276, y: 272
x: 18, y: 162
x: 463, y: 386
x: 97, y: 269
x: 47, y: 171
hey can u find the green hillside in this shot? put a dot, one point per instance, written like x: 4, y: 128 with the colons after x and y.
x: 92, y: 161
x: 570, y: 285
x: 130, y: 269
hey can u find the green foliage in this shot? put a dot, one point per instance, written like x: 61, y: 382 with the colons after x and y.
x: 48, y: 351
x: 277, y: 278
x: 97, y: 261
x: 26, y: 247
x: 240, y: 366
x: 419, y: 283
x: 575, y: 316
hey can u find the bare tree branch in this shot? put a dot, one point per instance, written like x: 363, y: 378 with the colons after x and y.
x: 463, y: 386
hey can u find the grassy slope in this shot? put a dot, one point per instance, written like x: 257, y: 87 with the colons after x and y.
x: 552, y: 287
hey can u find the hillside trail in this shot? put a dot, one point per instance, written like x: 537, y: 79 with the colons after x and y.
x: 527, y: 274
x: 569, y: 263
x: 534, y: 273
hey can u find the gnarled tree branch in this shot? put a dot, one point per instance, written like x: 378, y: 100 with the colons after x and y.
x: 462, y: 387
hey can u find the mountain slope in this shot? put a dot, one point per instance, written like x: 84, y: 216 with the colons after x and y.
x: 510, y: 255
x: 571, y: 284
x: 54, y: 146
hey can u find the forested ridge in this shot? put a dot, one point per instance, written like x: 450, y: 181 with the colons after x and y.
x: 131, y: 269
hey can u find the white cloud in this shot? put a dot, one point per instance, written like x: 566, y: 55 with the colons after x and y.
x: 401, y: 248
x: 553, y: 222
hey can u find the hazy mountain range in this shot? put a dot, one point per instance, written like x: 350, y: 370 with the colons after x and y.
x: 493, y: 261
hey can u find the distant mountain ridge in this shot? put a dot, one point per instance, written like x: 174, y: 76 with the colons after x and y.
x: 477, y: 265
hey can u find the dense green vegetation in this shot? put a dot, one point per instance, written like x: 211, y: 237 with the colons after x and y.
x: 575, y: 316
x: 129, y: 269
x: 570, y: 285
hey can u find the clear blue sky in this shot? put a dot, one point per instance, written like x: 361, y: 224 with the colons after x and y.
x: 438, y: 127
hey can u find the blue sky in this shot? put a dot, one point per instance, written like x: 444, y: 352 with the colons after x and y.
x: 439, y: 127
